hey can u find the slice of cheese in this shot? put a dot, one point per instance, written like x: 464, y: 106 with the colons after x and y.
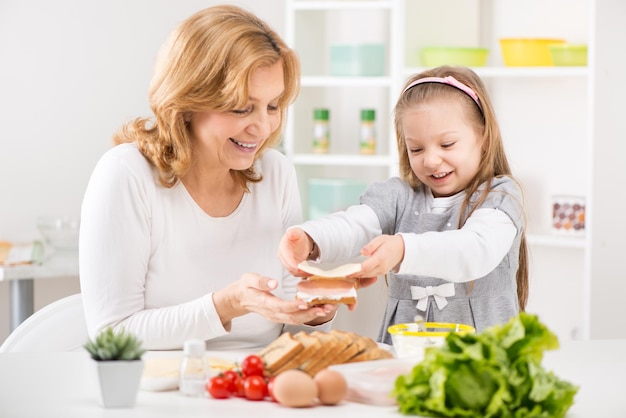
x: 330, y: 270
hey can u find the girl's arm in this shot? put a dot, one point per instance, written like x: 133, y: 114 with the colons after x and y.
x: 341, y: 235
x: 460, y: 255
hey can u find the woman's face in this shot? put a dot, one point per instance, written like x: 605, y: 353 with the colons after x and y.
x: 443, y: 147
x: 231, y: 139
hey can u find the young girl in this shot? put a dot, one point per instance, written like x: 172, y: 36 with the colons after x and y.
x: 450, y: 230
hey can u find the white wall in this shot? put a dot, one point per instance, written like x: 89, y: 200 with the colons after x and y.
x: 608, y: 272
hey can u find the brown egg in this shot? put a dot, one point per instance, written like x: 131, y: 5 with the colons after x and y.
x: 332, y: 387
x: 294, y: 388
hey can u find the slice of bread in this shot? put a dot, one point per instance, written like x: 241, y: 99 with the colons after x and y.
x: 311, y: 345
x: 330, y: 347
x: 356, y: 344
x: 371, y: 353
x: 280, y: 351
x: 329, y: 359
x: 316, y: 351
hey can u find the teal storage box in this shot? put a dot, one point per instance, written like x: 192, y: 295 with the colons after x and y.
x: 357, y: 60
x: 333, y: 195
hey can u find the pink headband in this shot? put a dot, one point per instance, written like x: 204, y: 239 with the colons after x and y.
x: 451, y: 81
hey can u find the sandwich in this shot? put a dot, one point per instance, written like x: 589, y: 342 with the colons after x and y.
x: 319, y: 290
x: 328, y: 286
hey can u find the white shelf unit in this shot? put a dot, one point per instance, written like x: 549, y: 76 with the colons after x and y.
x: 311, y: 28
x: 545, y: 114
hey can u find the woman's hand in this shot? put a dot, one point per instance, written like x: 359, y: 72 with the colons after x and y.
x: 253, y: 293
x: 383, y: 254
x: 295, y: 247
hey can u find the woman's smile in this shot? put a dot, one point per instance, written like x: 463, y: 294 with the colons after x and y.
x: 245, y: 146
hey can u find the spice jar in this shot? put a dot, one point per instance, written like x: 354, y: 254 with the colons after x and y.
x: 367, y: 141
x: 321, y: 131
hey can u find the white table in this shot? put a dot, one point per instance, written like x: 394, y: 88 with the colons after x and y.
x: 21, y: 285
x: 61, y: 385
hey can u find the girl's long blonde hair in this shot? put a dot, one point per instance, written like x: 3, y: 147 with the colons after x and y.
x: 493, y: 163
x: 206, y: 64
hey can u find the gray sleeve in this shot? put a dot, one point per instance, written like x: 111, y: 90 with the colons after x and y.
x: 388, y: 200
x: 506, y: 195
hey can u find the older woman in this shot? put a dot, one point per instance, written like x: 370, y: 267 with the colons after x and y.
x: 182, y: 218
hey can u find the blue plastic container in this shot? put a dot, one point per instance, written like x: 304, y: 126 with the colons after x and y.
x: 333, y: 195
x: 357, y: 60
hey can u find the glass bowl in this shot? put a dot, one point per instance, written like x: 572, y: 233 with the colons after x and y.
x: 410, y: 340
x: 59, y: 232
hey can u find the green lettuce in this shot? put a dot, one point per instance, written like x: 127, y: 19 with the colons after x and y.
x: 496, y: 373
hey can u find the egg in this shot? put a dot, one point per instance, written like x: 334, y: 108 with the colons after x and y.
x: 294, y: 388
x: 332, y: 386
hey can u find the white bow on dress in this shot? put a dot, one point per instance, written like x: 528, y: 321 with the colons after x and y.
x: 440, y: 293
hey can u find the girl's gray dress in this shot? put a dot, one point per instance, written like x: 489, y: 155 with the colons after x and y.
x: 482, y: 302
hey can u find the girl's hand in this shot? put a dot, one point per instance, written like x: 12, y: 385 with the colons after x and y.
x: 294, y: 247
x: 253, y: 293
x: 383, y: 254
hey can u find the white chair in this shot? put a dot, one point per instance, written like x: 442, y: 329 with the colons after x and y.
x: 59, y: 326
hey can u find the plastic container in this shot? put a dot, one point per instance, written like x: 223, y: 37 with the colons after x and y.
x: 520, y: 52
x: 367, y: 140
x: 569, y: 55
x: 371, y: 382
x: 465, y: 56
x: 410, y: 340
x: 332, y: 195
x: 321, y: 131
x: 193, y: 373
x: 357, y: 60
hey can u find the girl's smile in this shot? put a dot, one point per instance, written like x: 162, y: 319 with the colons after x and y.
x: 443, y: 147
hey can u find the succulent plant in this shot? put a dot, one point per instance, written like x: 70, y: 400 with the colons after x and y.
x: 110, y: 345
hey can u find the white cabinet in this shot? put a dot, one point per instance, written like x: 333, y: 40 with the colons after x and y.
x: 545, y: 114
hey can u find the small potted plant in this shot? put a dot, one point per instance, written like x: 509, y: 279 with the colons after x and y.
x: 117, y: 359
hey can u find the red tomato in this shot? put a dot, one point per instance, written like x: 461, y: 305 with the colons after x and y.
x: 231, y: 377
x: 217, y: 387
x: 252, y: 365
x: 270, y: 388
x: 240, y: 390
x: 255, y: 388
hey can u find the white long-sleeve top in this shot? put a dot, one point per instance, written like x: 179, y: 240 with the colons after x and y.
x: 458, y: 255
x: 150, y: 257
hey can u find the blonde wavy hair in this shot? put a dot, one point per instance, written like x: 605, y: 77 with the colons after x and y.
x: 494, y: 162
x: 206, y: 64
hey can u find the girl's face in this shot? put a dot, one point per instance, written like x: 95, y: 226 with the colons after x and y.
x: 231, y: 139
x: 443, y: 147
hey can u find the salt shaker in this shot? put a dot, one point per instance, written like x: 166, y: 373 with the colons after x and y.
x: 193, y: 376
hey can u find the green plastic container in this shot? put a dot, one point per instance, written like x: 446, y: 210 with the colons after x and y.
x: 357, y: 60
x: 434, y: 56
x: 569, y: 55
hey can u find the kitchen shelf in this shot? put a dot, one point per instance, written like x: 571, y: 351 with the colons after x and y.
x: 341, y: 81
x: 342, y: 160
x: 556, y: 241
x: 517, y: 72
x: 342, y: 5
x: 546, y: 115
